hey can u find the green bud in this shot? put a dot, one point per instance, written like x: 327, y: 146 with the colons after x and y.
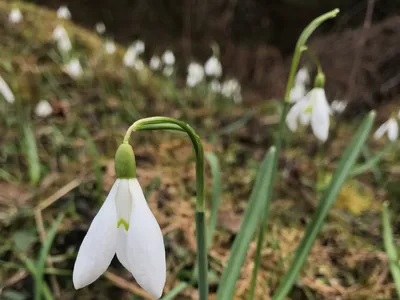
x: 319, y: 81
x: 125, y: 164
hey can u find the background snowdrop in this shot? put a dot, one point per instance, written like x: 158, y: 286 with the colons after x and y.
x: 63, y: 13
x: 73, y: 68
x: 390, y: 127
x: 100, y: 28
x: 110, y: 47
x: 301, y: 79
x: 130, y: 56
x: 155, y: 63
x: 195, y: 74
x: 215, y: 86
x: 139, y: 47
x: 168, y: 70
x: 6, y: 91
x: 43, y: 109
x: 15, y: 16
x: 231, y: 89
x: 168, y: 57
x: 60, y: 35
x: 338, y: 106
x: 213, y: 67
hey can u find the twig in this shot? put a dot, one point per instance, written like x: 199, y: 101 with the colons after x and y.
x: 126, y: 285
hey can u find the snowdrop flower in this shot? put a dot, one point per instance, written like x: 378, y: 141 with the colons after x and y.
x: 138, y: 64
x: 43, y: 109
x: 391, y: 127
x: 195, y: 74
x: 312, y: 108
x: 139, y: 47
x: 126, y: 227
x: 297, y: 92
x: 155, y: 63
x: 302, y: 76
x: 110, y: 47
x: 215, y: 86
x: 63, y: 13
x: 338, y: 106
x: 168, y: 70
x: 130, y: 56
x: 231, y: 89
x: 73, y: 68
x: 213, y: 67
x: 15, y: 16
x: 6, y: 92
x: 168, y: 57
x: 60, y: 35
x: 100, y: 28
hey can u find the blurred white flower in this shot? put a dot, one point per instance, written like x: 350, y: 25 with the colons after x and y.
x: 312, y: 108
x: 168, y: 57
x: 125, y: 227
x: 138, y: 64
x: 109, y: 47
x: 63, y: 13
x: 338, y: 106
x: 43, y: 109
x: 195, y: 74
x: 297, y: 92
x: 215, y: 86
x: 73, y: 68
x: 130, y: 56
x: 15, y: 16
x: 213, y: 67
x: 60, y: 35
x: 139, y: 47
x: 168, y: 70
x: 100, y: 28
x: 391, y: 127
x: 155, y: 62
x: 231, y: 89
x: 6, y: 91
x: 302, y: 76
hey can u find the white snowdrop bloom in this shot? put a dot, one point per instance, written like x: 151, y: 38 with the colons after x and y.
x: 73, y: 68
x: 168, y: 57
x: 15, y: 16
x: 130, y: 56
x: 213, y: 67
x: 60, y: 35
x: 390, y: 127
x: 168, y: 70
x: 297, y: 92
x: 231, y: 89
x: 215, y: 86
x: 138, y: 64
x: 155, y: 63
x: 338, y: 106
x: 63, y: 13
x: 6, y: 92
x: 139, y: 47
x: 100, y: 28
x: 126, y: 227
x: 109, y: 47
x: 195, y: 74
x: 314, y: 109
x: 43, y: 109
x: 302, y: 76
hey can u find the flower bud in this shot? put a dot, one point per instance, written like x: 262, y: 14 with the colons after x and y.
x: 319, y: 81
x: 125, y: 164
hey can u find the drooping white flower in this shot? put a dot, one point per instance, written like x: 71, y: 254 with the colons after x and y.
x: 390, y: 127
x: 6, y: 91
x: 139, y: 47
x: 155, y: 62
x: 195, y: 74
x: 73, y: 68
x: 126, y: 227
x: 302, y: 76
x: 63, y: 13
x: 338, y: 106
x: 168, y: 70
x: 100, y: 28
x: 138, y: 64
x: 43, y: 109
x: 231, y: 89
x: 130, y: 56
x: 109, y: 47
x: 168, y: 57
x: 297, y: 92
x: 15, y: 16
x: 312, y: 108
x: 60, y: 35
x: 213, y: 67
x: 215, y: 86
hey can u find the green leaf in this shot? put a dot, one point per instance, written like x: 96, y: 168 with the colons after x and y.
x: 390, y: 247
x: 254, y: 210
x: 175, y: 291
x: 372, y: 161
x: 24, y: 239
x: 31, y: 154
x: 314, y: 227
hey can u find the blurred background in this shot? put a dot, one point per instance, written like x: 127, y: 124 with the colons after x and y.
x: 71, y: 103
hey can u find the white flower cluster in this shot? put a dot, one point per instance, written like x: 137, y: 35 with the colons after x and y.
x: 132, y: 55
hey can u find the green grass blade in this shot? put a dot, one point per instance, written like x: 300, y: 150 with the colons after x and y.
x: 341, y: 174
x: 175, y: 291
x: 31, y: 154
x: 215, y: 194
x: 44, y: 251
x: 372, y: 162
x: 390, y: 248
x: 253, y: 212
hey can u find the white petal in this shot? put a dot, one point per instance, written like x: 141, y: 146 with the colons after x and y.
x: 123, y: 200
x: 121, y: 248
x: 381, y: 131
x: 297, y: 92
x: 145, y: 245
x: 6, y: 91
x: 305, y: 118
x: 320, y: 115
x: 99, y: 245
x: 393, y: 129
x: 294, y: 113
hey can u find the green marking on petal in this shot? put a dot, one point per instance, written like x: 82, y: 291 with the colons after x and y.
x: 124, y: 223
x: 308, y: 109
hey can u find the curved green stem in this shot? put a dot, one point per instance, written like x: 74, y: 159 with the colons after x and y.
x: 166, y: 123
